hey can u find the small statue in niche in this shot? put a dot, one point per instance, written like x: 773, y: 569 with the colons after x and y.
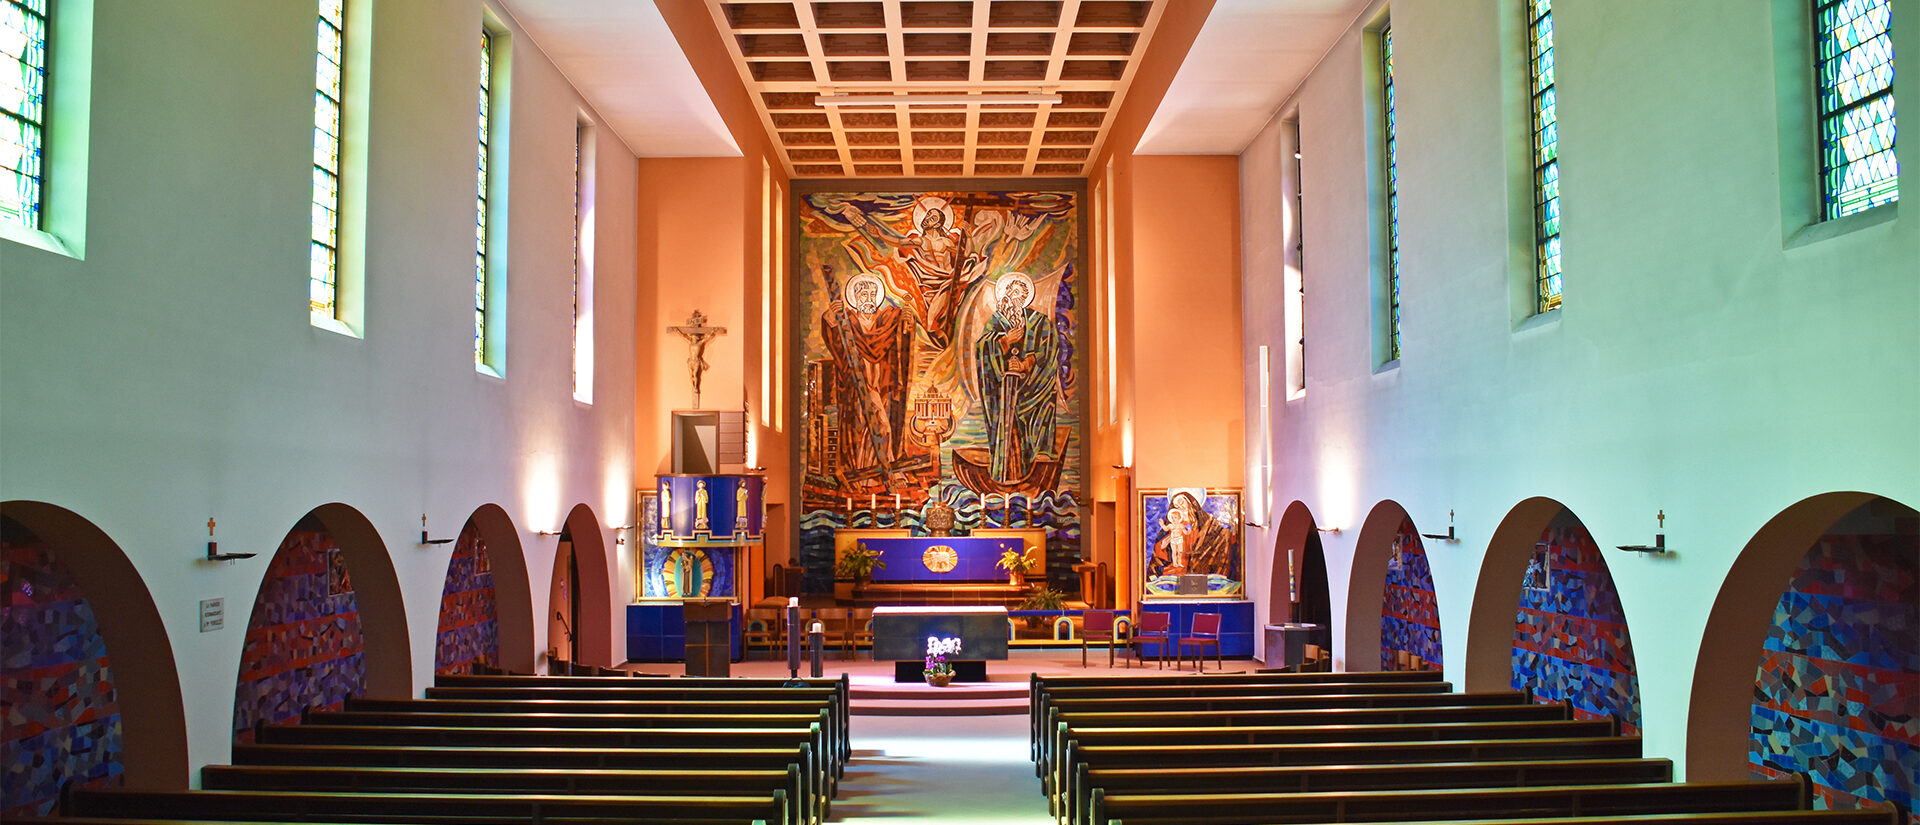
x: 700, y: 506
x: 740, y: 507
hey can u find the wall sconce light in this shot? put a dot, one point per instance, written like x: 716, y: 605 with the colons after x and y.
x: 1659, y: 546
x: 1333, y: 530
x: 619, y: 532
x: 424, y: 541
x: 1447, y: 536
x: 546, y: 532
x: 213, y: 547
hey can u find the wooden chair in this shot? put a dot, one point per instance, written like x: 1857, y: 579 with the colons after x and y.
x: 1097, y: 626
x: 1204, y: 633
x: 859, y: 628
x: 1154, y: 626
x: 1313, y: 658
x: 760, y: 629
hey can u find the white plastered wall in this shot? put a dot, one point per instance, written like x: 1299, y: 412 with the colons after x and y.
x: 173, y: 375
x: 1712, y: 360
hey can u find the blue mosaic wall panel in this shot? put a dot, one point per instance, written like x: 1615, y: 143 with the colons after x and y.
x: 469, y: 631
x: 1570, y: 637
x: 1838, y: 689
x: 56, y: 687
x: 304, y: 647
x: 1409, y: 615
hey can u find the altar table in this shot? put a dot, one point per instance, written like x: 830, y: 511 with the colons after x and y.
x: 973, y: 559
x: 900, y: 635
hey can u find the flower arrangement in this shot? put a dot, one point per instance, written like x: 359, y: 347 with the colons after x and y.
x: 939, y: 671
x: 858, y: 563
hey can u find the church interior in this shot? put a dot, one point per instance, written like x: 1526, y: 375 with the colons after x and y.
x: 1245, y: 328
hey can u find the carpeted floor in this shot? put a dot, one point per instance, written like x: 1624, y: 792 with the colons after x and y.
x: 955, y: 769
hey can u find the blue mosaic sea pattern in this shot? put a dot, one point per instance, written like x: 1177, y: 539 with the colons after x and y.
x: 1409, y: 615
x: 1838, y: 690
x: 1570, y: 640
x: 304, y: 648
x: 56, y: 688
x: 469, y: 631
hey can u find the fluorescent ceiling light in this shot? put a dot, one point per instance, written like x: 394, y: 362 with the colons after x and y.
x: 997, y: 98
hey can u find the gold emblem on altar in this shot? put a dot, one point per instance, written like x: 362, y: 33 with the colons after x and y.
x: 940, y: 558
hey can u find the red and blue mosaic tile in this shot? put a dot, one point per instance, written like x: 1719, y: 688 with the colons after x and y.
x: 1409, y: 614
x: 469, y: 627
x: 304, y: 646
x: 1570, y: 639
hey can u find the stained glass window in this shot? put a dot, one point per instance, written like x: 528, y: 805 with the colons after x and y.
x: 1546, y: 156
x: 23, y: 106
x: 324, y: 269
x: 1393, y: 198
x: 480, y: 204
x: 579, y: 133
x: 1854, y: 66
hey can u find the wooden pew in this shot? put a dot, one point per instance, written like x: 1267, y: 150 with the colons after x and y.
x: 731, y: 781
x: 807, y: 739
x: 1448, y: 804
x: 510, y: 758
x: 822, y: 718
x: 1041, y: 696
x: 1060, y: 721
x: 690, y: 689
x: 836, y: 731
x: 274, y: 806
x: 1168, y: 779
x: 1066, y: 756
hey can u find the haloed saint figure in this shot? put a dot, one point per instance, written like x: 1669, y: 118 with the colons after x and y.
x: 1019, y: 377
x: 868, y: 339
x: 1194, y: 541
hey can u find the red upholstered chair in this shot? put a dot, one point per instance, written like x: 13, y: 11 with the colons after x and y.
x: 1204, y: 633
x: 1096, y: 626
x: 1153, y: 626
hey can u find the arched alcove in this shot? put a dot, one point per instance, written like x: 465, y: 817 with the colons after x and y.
x: 468, y: 633
x: 143, y: 689
x: 1298, y: 590
x: 1565, y: 632
x: 327, y: 623
x: 594, y: 587
x: 1390, y: 597
x: 512, y: 586
x: 1811, y: 653
x: 1490, y: 626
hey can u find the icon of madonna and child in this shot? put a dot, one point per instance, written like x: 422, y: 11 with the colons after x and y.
x: 1189, y: 531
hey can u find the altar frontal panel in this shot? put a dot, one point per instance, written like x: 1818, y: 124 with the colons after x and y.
x: 940, y: 335
x: 940, y: 560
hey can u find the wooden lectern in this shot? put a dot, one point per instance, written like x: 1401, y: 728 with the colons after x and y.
x: 709, y: 636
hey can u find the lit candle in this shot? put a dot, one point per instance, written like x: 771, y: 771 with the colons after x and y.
x: 849, y: 504
x: 896, y: 501
x: 873, y: 501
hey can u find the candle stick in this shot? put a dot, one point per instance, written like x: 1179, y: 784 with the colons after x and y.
x: 873, y: 501
x: 849, y: 504
x: 896, y: 501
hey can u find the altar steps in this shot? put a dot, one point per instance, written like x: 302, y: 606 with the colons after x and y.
x: 958, y: 699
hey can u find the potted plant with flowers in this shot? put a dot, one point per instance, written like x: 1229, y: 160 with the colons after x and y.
x: 858, y: 564
x: 939, y: 671
x: 1017, y: 564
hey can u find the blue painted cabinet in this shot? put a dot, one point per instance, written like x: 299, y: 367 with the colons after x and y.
x: 657, y: 632
x: 1236, y: 623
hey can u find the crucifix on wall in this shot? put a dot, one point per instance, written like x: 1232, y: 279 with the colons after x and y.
x: 698, y: 335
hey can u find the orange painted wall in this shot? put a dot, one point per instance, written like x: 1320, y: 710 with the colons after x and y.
x: 1188, y: 418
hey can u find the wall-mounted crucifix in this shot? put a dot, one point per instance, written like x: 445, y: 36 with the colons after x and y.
x: 698, y: 335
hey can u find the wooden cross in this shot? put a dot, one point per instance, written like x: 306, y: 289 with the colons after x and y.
x: 698, y: 334
x: 1662, y: 516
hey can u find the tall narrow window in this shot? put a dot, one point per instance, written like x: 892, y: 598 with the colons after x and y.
x: 1854, y: 66
x: 1298, y: 382
x: 323, y: 278
x: 1393, y: 197
x: 1546, y: 156
x: 23, y: 106
x: 481, y: 182
x: 579, y: 133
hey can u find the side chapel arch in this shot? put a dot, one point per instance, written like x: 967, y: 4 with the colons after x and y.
x: 595, y: 587
x: 147, y: 680
x: 1373, y: 550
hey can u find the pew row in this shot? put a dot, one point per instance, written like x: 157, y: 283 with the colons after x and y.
x: 422, y: 808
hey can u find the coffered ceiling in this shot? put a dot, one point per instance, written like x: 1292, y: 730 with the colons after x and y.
x: 1082, y: 52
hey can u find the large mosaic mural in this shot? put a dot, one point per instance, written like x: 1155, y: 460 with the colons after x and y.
x: 62, y: 714
x: 1837, y: 694
x: 1190, y: 532
x: 940, y: 333
x: 469, y: 631
x: 1409, y: 615
x: 304, y: 647
x: 1570, y: 637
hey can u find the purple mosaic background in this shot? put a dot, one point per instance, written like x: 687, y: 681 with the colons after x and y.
x: 56, y: 687
x: 304, y: 647
x: 469, y: 630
